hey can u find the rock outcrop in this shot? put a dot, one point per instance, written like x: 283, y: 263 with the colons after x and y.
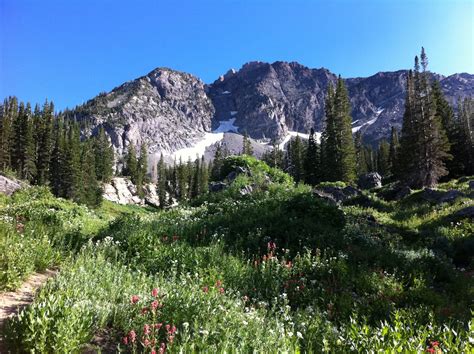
x: 122, y: 191
x: 369, y: 181
x: 8, y: 186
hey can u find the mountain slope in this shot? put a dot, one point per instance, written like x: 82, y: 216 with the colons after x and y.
x: 171, y: 111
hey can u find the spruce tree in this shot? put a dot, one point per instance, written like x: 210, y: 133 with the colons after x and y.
x: 247, y: 148
x: 424, y: 144
x: 104, y: 156
x: 20, y: 124
x: 29, y: 165
x: 296, y: 154
x: 361, y: 156
x: 58, y: 160
x: 204, y: 177
x: 5, y: 135
x: 383, y: 153
x: 393, y: 154
x: 196, y: 179
x: 131, y: 164
x: 72, y: 177
x: 217, y: 162
x: 338, y: 151
x: 311, y: 161
x: 44, y: 144
x: 162, y: 182
x: 91, y: 190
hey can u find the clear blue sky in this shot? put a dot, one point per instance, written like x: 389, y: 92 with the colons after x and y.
x: 70, y: 50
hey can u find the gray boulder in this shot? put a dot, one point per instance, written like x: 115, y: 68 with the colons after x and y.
x: 436, y: 196
x: 326, y: 197
x: 466, y: 212
x: 403, y: 192
x: 336, y: 194
x: 217, y: 186
x: 450, y: 196
x: 471, y: 185
x: 246, y: 190
x: 8, y: 186
x: 370, y: 180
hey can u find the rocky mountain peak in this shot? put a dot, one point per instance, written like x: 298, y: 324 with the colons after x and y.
x: 171, y: 110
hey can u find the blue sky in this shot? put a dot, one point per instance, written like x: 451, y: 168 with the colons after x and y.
x: 70, y: 50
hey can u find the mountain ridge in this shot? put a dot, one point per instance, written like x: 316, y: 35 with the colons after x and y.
x: 170, y: 110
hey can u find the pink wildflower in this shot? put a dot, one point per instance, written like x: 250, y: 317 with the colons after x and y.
x: 146, y: 329
x: 134, y: 299
x: 154, y: 292
x: 132, y: 335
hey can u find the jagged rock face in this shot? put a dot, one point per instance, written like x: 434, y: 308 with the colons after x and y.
x: 164, y: 109
x: 267, y: 100
x: 169, y: 110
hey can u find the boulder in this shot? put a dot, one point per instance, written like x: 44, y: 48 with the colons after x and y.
x: 471, y: 185
x: 8, y: 186
x: 326, y: 197
x: 466, y: 212
x: 403, y: 192
x: 337, y: 194
x: 370, y: 180
x: 246, y: 190
x: 217, y: 186
x: 431, y: 195
x: 436, y: 196
x: 450, y: 196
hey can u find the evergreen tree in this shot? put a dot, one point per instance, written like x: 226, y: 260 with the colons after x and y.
x: 5, y: 135
x: 131, y: 164
x: 311, y: 161
x: 29, y: 165
x: 58, y: 160
x: 162, y: 182
x: 247, y: 148
x: 142, y: 169
x: 204, y: 177
x: 196, y: 180
x: 182, y: 178
x: 465, y: 128
x: 217, y: 162
x: 72, y: 177
x: 104, y: 156
x: 360, y: 152
x: 424, y: 144
x: 91, y: 190
x: 18, y: 146
x: 296, y: 153
x: 338, y: 151
x: 383, y: 153
x: 44, y: 144
x: 393, y: 154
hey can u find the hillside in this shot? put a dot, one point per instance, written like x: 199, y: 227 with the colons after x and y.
x: 261, y: 266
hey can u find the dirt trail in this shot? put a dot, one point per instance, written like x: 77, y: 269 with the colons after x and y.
x: 12, y: 302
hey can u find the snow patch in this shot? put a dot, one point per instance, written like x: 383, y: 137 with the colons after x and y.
x: 198, y: 149
x: 233, y: 113
x: 291, y: 134
x: 227, y: 126
x: 226, y: 93
x: 370, y: 122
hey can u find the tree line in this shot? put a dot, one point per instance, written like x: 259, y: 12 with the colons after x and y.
x: 435, y: 141
x: 47, y: 149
